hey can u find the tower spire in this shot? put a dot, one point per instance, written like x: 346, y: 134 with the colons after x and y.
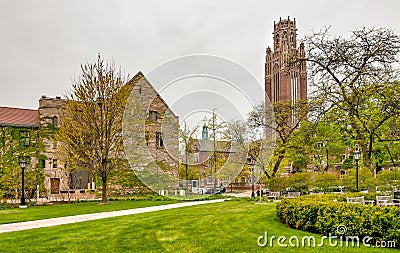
x: 280, y: 84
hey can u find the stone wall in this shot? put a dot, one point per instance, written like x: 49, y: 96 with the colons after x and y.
x: 145, y: 100
x: 50, y: 112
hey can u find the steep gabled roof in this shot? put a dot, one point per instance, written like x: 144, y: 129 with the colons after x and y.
x: 135, y: 79
x: 19, y: 117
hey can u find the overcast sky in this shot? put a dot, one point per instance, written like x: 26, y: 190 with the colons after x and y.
x: 43, y: 43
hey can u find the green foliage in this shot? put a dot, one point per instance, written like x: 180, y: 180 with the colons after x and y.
x: 321, y: 214
x: 318, y: 143
x: 325, y: 181
x: 192, y: 171
x: 300, y: 181
x: 125, y: 182
x: 347, y: 163
x: 277, y: 184
x: 388, y: 179
x: 21, y: 142
x: 366, y: 180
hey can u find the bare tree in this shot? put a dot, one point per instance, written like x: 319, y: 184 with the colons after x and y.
x: 280, y: 125
x: 186, y: 136
x: 347, y: 71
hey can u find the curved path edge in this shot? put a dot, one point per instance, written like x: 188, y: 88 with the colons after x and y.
x: 26, y: 225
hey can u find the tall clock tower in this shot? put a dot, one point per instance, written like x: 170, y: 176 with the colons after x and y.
x: 282, y: 83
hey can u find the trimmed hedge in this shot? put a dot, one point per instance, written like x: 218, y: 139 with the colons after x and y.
x: 320, y: 214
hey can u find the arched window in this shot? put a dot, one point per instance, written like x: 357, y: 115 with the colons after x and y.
x: 277, y: 41
x: 292, y: 40
x: 276, y: 83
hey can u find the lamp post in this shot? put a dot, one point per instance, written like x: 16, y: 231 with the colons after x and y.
x: 22, y: 164
x: 215, y: 152
x: 356, y: 154
x: 260, y: 181
x: 251, y: 165
x: 252, y: 180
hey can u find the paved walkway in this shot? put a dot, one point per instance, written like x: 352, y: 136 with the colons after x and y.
x: 95, y: 216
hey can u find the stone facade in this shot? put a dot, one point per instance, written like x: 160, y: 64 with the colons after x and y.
x: 50, y: 110
x: 282, y: 83
x: 157, y: 122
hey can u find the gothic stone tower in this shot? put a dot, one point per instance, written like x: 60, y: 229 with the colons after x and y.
x: 282, y: 84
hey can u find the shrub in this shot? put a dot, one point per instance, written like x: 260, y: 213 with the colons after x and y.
x: 320, y: 214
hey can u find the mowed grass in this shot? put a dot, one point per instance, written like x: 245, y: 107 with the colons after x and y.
x: 231, y: 226
x: 52, y: 211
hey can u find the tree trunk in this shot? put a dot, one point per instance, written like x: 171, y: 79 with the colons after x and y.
x: 104, y: 192
x: 363, y: 143
x: 327, y: 159
x: 278, y: 163
x: 104, y: 183
x: 186, y: 170
x: 371, y: 139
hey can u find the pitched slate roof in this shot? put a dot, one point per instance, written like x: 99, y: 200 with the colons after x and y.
x: 19, y: 117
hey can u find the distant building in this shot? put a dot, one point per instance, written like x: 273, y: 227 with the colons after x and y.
x: 281, y: 83
x: 203, y: 156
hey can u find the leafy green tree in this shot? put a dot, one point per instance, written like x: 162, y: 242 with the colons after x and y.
x: 366, y: 180
x: 319, y: 144
x: 300, y: 181
x: 277, y: 184
x: 387, y: 179
x: 325, y: 181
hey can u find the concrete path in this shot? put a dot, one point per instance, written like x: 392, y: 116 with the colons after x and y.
x: 94, y: 216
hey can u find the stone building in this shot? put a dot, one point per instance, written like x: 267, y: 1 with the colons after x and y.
x: 29, y: 134
x: 283, y: 83
x: 26, y: 128
x: 57, y: 180
x: 153, y: 135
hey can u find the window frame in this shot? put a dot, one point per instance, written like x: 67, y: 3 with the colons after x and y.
x: 159, y: 140
x: 153, y: 115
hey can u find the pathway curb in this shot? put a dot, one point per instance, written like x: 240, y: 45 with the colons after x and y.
x: 19, y: 226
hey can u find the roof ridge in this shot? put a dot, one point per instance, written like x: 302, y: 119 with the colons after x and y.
x: 17, y: 108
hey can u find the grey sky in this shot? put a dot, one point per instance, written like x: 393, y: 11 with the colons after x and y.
x: 44, y: 42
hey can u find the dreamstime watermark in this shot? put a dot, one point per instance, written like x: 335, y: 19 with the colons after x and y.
x: 340, y: 240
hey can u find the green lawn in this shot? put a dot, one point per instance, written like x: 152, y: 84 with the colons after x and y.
x: 44, y: 212
x: 231, y: 226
